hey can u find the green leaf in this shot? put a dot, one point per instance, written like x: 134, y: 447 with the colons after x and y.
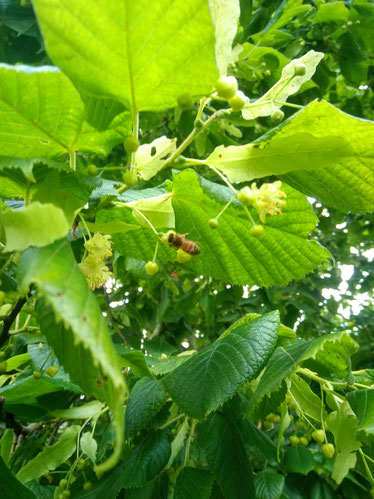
x: 269, y: 484
x: 331, y: 12
x: 158, y: 210
x: 362, y: 403
x: 10, y: 487
x: 51, y: 457
x: 164, y: 366
x: 230, y: 252
x: 330, y: 349
x: 89, y: 446
x: 299, y: 459
x: 346, y: 183
x: 192, y: 482
x: 147, y: 460
x: 209, y: 378
x: 305, y: 399
x: 145, y: 401
x: 71, y: 319
x: 36, y: 225
x: 42, y: 115
x: 288, y: 84
x: 6, y: 443
x: 225, y: 15
x: 258, y: 442
x: 150, y: 158
x: 143, y: 54
x: 223, y: 444
x: 343, y: 425
x: 111, y: 227
x: 84, y: 411
x: 279, y: 155
x: 17, y: 360
x: 178, y: 443
x: 134, y: 359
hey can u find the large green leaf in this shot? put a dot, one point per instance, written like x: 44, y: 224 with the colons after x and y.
x: 147, y: 460
x: 209, y: 378
x: 320, y: 151
x: 71, y: 319
x: 223, y: 445
x: 305, y: 399
x: 192, y: 482
x: 258, y: 441
x: 362, y: 403
x: 10, y: 487
x: 230, y: 252
x: 37, y: 225
x: 51, y: 457
x: 146, y: 399
x: 42, y: 115
x: 299, y: 459
x: 269, y: 484
x: 347, y: 182
x: 144, y: 54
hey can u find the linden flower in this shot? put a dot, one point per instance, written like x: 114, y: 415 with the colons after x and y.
x: 99, y: 245
x: 95, y: 271
x: 267, y: 199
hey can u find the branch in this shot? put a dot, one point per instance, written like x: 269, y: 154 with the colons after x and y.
x: 4, y: 335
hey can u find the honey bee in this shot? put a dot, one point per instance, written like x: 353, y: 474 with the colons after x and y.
x: 179, y: 241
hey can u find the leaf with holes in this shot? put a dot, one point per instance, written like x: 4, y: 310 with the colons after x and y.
x: 71, y: 319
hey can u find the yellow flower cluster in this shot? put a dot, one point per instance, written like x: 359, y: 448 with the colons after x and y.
x: 267, y: 200
x: 93, y: 266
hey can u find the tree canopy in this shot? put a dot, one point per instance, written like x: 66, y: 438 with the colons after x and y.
x: 186, y: 245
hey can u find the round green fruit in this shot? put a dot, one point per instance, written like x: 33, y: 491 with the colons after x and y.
x: 87, y: 486
x: 213, y: 223
x: 92, y: 170
x: 226, y: 87
x: 51, y: 371
x: 66, y: 493
x: 3, y: 366
x: 2, y: 355
x: 257, y: 231
x: 2, y: 297
x: 328, y: 450
x: 267, y: 72
x: 318, y: 436
x: 130, y: 178
x: 182, y: 256
x: 277, y: 419
x: 63, y: 483
x: 151, y: 268
x: 185, y: 101
x: 37, y: 374
x: 304, y: 441
x: 238, y: 101
x: 277, y: 116
x: 268, y: 425
x: 294, y: 440
x: 300, y: 425
x: 131, y: 144
x: 300, y: 70
x: 245, y: 196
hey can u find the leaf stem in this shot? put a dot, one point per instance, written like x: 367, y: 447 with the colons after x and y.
x: 124, y: 205
x: 188, y: 443
x: 171, y: 421
x: 73, y: 160
x: 85, y: 226
x: 367, y: 469
x: 156, y: 250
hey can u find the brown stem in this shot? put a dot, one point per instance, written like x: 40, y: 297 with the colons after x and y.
x: 4, y: 335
